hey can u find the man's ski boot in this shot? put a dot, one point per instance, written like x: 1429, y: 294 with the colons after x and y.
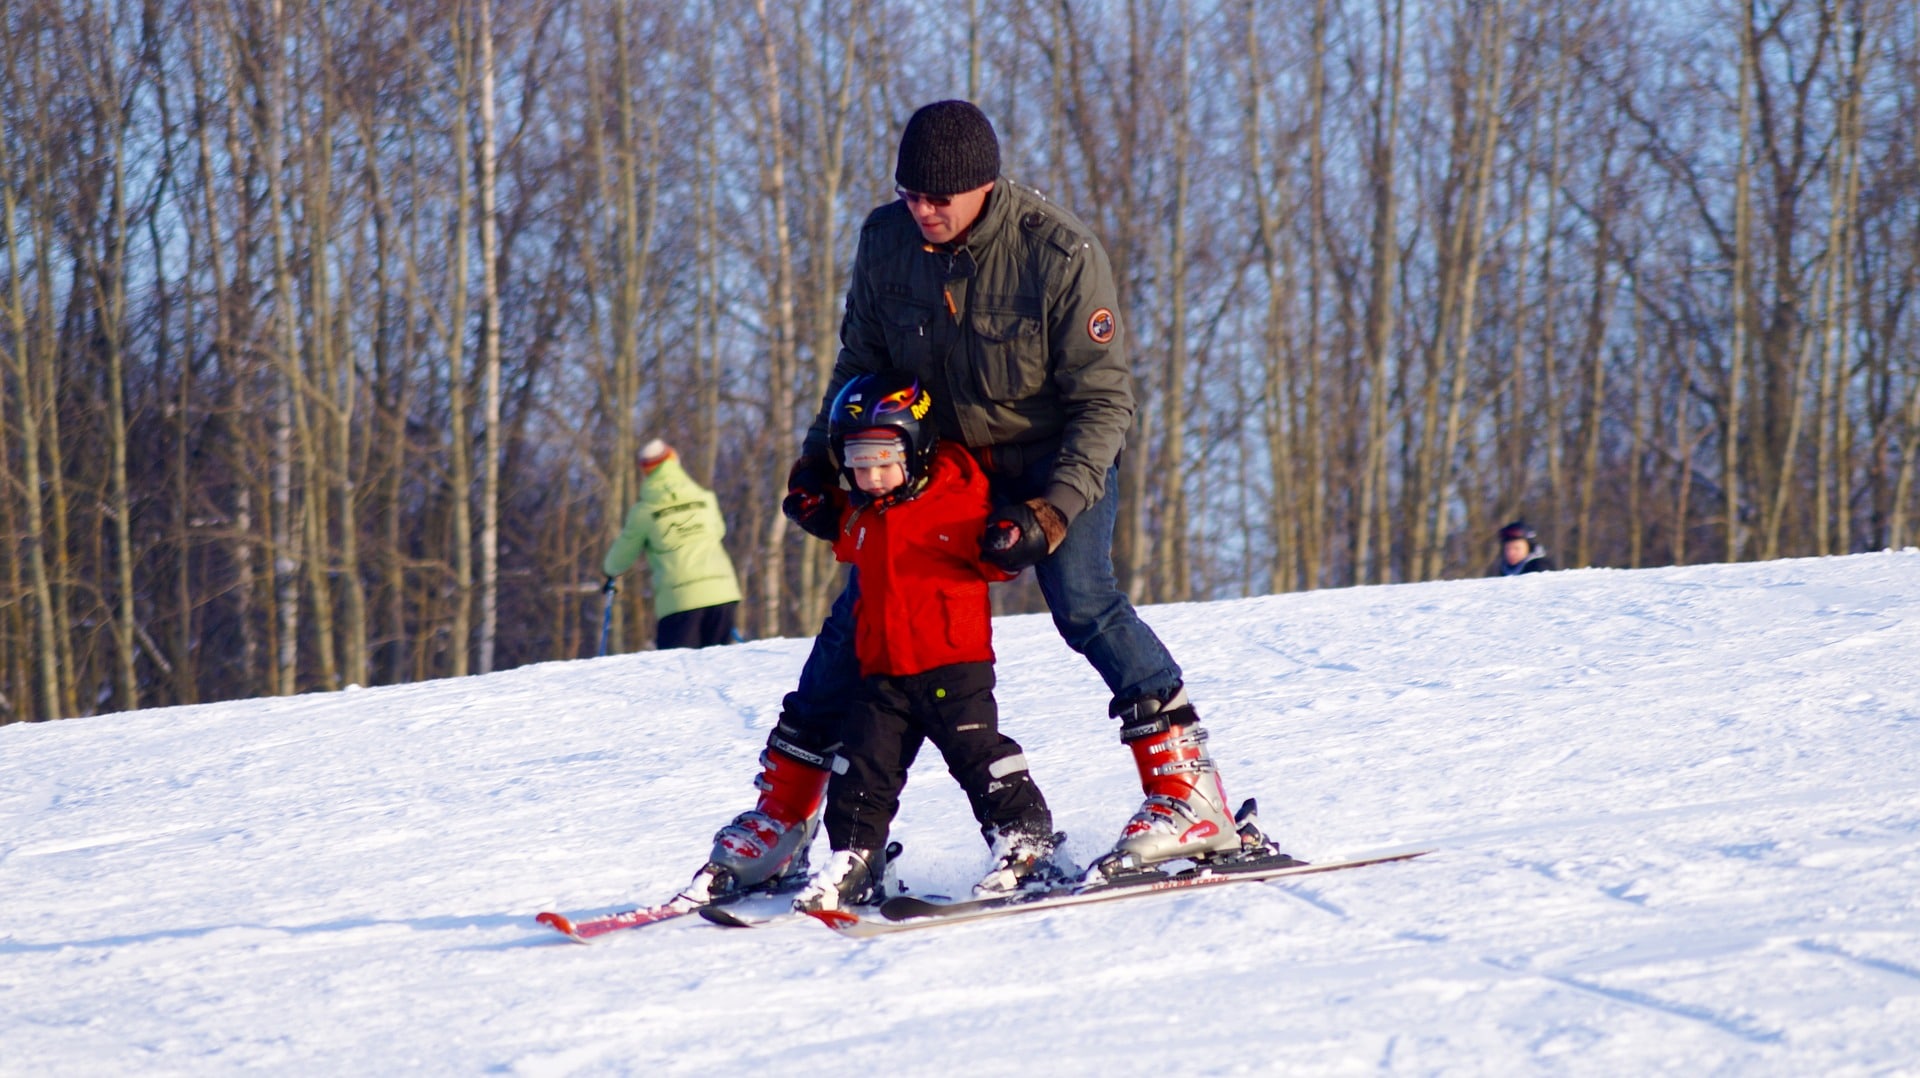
x: 1185, y: 813
x: 855, y: 877
x: 1021, y: 862
x: 765, y: 848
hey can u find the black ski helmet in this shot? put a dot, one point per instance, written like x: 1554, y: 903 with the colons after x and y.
x: 1518, y: 530
x: 885, y: 400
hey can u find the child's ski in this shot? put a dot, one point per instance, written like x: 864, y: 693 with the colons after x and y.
x: 585, y: 930
x: 581, y: 931
x: 729, y: 919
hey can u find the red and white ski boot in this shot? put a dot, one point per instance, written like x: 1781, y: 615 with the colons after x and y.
x: 1185, y: 814
x: 765, y: 848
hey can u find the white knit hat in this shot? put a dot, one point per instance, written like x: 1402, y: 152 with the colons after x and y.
x: 654, y: 452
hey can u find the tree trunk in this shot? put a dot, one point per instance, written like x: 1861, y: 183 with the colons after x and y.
x: 460, y: 440
x: 1373, y: 559
x: 30, y: 363
x: 1171, y: 557
x: 1742, y: 240
x: 837, y: 77
x: 781, y: 363
x: 491, y: 445
x: 1476, y: 192
x: 109, y: 285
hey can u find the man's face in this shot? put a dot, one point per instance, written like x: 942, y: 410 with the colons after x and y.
x: 945, y: 218
x: 1515, y: 550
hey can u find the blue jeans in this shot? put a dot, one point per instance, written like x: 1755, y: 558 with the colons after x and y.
x: 1090, y: 611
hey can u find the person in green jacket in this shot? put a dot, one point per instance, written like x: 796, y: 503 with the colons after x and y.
x: 677, y: 523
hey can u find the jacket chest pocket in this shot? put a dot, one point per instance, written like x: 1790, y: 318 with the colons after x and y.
x: 1012, y: 359
x: 910, y: 334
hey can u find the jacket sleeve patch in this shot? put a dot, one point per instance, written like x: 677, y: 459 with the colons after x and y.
x: 1100, y: 326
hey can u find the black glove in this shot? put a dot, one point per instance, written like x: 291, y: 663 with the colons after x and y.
x: 1018, y: 536
x: 610, y: 587
x: 810, y: 501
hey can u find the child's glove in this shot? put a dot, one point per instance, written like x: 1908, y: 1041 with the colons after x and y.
x: 809, y: 501
x: 1018, y: 536
x: 610, y: 587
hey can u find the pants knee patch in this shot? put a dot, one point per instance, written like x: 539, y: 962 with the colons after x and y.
x: 1007, y: 765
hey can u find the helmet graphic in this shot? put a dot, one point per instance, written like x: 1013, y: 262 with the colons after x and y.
x: 885, y: 401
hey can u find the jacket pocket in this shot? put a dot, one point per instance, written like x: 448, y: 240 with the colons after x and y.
x: 909, y: 330
x: 968, y: 627
x: 1013, y: 352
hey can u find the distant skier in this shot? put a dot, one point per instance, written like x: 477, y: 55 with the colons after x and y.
x: 1520, y: 552
x: 677, y: 523
x: 911, y: 527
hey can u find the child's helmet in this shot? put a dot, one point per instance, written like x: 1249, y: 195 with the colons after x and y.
x: 1518, y: 530
x: 886, y: 400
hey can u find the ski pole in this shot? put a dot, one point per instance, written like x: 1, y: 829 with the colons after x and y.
x: 606, y: 615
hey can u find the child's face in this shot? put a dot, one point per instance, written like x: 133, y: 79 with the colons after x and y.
x: 883, y: 479
x: 877, y: 462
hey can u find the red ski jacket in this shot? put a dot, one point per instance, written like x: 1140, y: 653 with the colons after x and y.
x: 922, y: 598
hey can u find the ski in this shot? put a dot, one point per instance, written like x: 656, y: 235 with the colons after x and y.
x: 908, y: 908
x: 585, y: 930
x: 729, y: 919
x: 907, y: 914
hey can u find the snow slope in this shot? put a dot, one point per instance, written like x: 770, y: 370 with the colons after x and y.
x: 1677, y: 815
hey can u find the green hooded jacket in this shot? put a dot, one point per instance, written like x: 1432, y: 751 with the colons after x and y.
x: 1016, y: 333
x: 677, y: 522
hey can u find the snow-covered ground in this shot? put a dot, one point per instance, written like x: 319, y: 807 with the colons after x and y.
x: 1676, y: 815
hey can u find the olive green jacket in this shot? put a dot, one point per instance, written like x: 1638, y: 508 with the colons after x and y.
x: 677, y: 522
x: 1016, y: 333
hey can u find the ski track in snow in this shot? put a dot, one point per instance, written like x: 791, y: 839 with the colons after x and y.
x: 1676, y: 816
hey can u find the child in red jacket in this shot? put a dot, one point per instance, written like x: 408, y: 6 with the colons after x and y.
x: 912, y: 533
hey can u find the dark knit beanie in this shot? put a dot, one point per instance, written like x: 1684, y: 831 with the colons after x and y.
x: 948, y: 147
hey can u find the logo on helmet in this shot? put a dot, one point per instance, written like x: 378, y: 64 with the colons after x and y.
x: 907, y: 399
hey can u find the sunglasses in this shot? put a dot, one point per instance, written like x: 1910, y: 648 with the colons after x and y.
x: 938, y: 202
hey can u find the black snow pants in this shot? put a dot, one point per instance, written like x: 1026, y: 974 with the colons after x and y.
x: 701, y: 627
x: 953, y: 707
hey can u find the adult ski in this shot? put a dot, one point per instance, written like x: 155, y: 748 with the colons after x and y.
x: 907, y: 914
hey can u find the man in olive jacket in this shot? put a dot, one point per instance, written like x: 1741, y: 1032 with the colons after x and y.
x: 1004, y: 305
x: 677, y: 523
